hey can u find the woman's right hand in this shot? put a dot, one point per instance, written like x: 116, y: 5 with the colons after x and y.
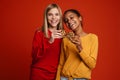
x: 55, y: 34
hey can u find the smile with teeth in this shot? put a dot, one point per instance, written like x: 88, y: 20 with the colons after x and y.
x: 53, y: 22
x: 71, y: 25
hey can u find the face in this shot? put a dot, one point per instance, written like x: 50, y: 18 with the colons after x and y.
x: 53, y: 17
x: 72, y: 20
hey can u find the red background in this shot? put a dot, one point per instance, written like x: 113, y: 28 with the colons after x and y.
x: 20, y: 18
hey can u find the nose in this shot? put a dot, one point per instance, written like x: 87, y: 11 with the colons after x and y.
x: 68, y: 23
x: 53, y: 16
x: 69, y: 20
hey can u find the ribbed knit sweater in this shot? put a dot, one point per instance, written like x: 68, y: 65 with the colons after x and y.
x: 75, y: 64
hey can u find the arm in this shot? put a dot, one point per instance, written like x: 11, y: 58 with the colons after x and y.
x: 36, y: 45
x: 62, y: 60
x: 90, y: 59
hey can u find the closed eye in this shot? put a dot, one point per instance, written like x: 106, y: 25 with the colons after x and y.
x: 65, y: 20
x: 71, y: 17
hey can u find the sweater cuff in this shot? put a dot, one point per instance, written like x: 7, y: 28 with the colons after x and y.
x: 83, y: 54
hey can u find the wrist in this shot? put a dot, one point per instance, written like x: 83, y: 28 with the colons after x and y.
x: 79, y: 47
x: 51, y: 40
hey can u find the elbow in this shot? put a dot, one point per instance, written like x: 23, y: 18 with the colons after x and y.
x: 92, y: 66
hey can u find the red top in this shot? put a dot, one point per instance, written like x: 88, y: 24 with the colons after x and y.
x: 45, y: 57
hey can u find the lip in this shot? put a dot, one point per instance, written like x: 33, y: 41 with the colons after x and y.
x: 71, y: 25
x: 54, y: 21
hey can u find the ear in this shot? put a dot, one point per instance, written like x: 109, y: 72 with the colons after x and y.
x: 80, y: 18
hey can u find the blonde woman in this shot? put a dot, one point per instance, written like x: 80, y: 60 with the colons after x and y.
x: 46, y: 45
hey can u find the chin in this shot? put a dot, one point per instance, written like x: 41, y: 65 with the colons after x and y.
x: 74, y: 29
x: 54, y: 25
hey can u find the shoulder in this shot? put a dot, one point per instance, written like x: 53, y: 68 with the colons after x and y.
x: 38, y: 32
x: 93, y: 37
x: 65, y: 41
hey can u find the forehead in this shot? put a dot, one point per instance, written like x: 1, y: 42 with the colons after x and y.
x: 53, y: 10
x: 69, y: 14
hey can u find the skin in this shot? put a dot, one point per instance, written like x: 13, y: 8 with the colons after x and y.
x: 74, y: 23
x: 53, y: 18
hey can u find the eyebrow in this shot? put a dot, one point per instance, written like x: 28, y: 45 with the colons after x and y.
x: 70, y: 15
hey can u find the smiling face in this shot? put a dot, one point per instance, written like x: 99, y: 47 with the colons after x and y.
x: 53, y: 17
x: 72, y: 20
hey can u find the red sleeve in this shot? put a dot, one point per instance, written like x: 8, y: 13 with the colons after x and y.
x: 37, y: 45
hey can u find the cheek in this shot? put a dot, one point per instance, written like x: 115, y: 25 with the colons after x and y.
x: 78, y: 22
x: 58, y: 17
x: 48, y: 18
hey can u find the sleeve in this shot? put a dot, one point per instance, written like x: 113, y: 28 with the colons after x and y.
x: 90, y: 59
x: 61, y: 61
x: 36, y: 46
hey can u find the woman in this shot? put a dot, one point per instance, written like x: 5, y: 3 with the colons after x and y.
x: 46, y: 45
x: 78, y: 51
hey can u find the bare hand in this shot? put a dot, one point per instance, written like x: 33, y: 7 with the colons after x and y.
x: 76, y: 40
x: 55, y: 34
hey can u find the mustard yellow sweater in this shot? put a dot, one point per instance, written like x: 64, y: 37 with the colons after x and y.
x: 75, y: 64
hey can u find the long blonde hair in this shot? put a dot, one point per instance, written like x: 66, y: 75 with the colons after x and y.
x: 45, y: 24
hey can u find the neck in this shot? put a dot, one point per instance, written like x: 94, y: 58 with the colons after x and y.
x: 79, y: 31
x: 52, y: 28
